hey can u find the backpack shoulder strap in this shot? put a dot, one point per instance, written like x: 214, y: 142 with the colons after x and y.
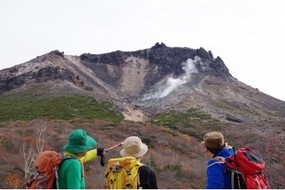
x: 220, y: 159
x: 63, y: 158
x: 140, y: 164
x: 217, y: 160
x: 66, y: 157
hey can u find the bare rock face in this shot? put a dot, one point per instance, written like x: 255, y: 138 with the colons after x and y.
x: 34, y: 71
x: 151, y: 65
x: 145, y: 82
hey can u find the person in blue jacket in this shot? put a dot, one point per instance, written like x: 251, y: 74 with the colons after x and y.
x: 217, y: 149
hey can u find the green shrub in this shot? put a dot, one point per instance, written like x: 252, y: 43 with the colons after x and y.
x: 64, y: 107
x: 187, y: 119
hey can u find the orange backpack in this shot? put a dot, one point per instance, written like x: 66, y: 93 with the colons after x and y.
x: 47, y: 164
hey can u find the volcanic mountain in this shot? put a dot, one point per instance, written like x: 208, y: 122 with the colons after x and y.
x: 175, y: 94
x: 146, y: 82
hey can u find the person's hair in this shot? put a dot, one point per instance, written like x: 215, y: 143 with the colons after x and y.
x: 214, y: 150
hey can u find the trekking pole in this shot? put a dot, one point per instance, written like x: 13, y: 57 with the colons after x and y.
x: 112, y: 147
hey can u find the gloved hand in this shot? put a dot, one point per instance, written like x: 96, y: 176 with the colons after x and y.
x: 101, y: 151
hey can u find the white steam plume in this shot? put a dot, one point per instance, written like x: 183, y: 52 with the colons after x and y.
x: 172, y: 83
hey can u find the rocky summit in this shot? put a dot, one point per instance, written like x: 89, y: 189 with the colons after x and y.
x: 146, y: 82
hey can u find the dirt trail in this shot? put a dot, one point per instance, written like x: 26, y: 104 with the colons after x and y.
x: 133, y: 114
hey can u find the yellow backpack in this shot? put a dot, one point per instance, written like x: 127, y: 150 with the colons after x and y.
x: 122, y: 173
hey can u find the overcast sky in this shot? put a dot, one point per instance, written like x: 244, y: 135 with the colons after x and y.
x: 249, y: 35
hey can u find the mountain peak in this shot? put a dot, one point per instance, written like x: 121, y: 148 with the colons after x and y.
x: 56, y: 52
x: 158, y: 45
x: 157, y: 79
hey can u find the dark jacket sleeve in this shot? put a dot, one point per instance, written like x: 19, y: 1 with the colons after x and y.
x: 147, y: 178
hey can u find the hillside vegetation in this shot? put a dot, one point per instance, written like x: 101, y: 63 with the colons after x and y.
x: 173, y: 138
x: 65, y: 107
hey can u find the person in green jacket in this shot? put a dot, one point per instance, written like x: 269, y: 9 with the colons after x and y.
x: 80, y: 149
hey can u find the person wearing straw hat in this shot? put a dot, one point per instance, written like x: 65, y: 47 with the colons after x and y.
x: 133, y: 146
x: 80, y: 147
x: 218, y: 151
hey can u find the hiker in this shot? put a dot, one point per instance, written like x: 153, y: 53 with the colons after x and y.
x: 139, y: 175
x: 80, y: 146
x: 215, y: 147
x: 133, y: 146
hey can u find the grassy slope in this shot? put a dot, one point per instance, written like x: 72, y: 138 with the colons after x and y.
x: 173, y: 137
x: 23, y: 115
x: 65, y: 108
